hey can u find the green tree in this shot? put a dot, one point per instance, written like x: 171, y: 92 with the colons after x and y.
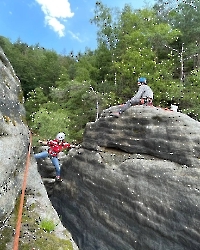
x: 105, y: 19
x: 34, y: 102
x: 63, y: 79
x: 189, y: 98
x: 80, y: 108
x: 141, y: 51
x: 46, y: 124
x: 184, y: 16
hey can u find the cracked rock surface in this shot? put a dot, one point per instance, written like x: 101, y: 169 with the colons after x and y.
x: 134, y: 184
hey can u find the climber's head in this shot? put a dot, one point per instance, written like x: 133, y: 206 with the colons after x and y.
x: 142, y: 80
x: 60, y: 136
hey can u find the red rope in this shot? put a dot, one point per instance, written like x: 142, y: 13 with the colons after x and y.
x: 18, y: 225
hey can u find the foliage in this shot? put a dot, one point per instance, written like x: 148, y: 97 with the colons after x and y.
x: 184, y: 16
x: 47, y: 225
x: 35, y: 66
x: 189, y: 98
x: 70, y: 109
x: 78, y: 103
x: 64, y: 92
x: 48, y: 123
x: 34, y: 100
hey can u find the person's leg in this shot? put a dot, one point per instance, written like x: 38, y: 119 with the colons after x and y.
x: 133, y: 101
x: 43, y: 154
x: 56, y: 164
x: 122, y: 109
x: 125, y: 106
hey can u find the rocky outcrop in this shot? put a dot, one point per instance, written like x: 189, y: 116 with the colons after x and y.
x: 14, y: 137
x: 14, y: 143
x: 149, y: 130
x: 134, y: 184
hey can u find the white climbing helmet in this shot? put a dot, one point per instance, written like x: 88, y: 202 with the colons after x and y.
x: 60, y: 136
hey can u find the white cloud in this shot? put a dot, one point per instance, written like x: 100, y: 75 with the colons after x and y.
x: 75, y: 36
x: 56, y: 25
x: 56, y: 13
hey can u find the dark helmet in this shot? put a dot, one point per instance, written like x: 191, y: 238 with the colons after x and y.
x: 142, y: 80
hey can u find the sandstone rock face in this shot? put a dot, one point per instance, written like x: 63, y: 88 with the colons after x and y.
x: 14, y: 137
x: 149, y: 130
x: 14, y: 143
x: 134, y: 184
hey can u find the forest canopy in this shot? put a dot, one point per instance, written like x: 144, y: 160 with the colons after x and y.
x: 64, y: 92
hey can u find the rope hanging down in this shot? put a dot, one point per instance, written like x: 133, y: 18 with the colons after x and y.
x: 18, y: 225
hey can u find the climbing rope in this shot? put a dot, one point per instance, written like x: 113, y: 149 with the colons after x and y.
x: 19, y: 218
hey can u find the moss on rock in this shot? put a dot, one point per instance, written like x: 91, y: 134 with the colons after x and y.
x: 32, y: 235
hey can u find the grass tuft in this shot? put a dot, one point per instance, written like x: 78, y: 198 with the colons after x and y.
x: 47, y: 225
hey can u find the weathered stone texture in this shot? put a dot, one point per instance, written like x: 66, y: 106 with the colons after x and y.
x: 14, y: 143
x: 14, y: 137
x: 134, y: 184
x: 148, y: 130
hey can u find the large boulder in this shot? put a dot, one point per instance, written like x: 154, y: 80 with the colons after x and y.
x: 148, y: 130
x: 134, y: 184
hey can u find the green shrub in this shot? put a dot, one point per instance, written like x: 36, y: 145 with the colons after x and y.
x: 47, y: 225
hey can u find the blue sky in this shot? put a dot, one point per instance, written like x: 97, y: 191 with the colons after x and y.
x: 60, y: 25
